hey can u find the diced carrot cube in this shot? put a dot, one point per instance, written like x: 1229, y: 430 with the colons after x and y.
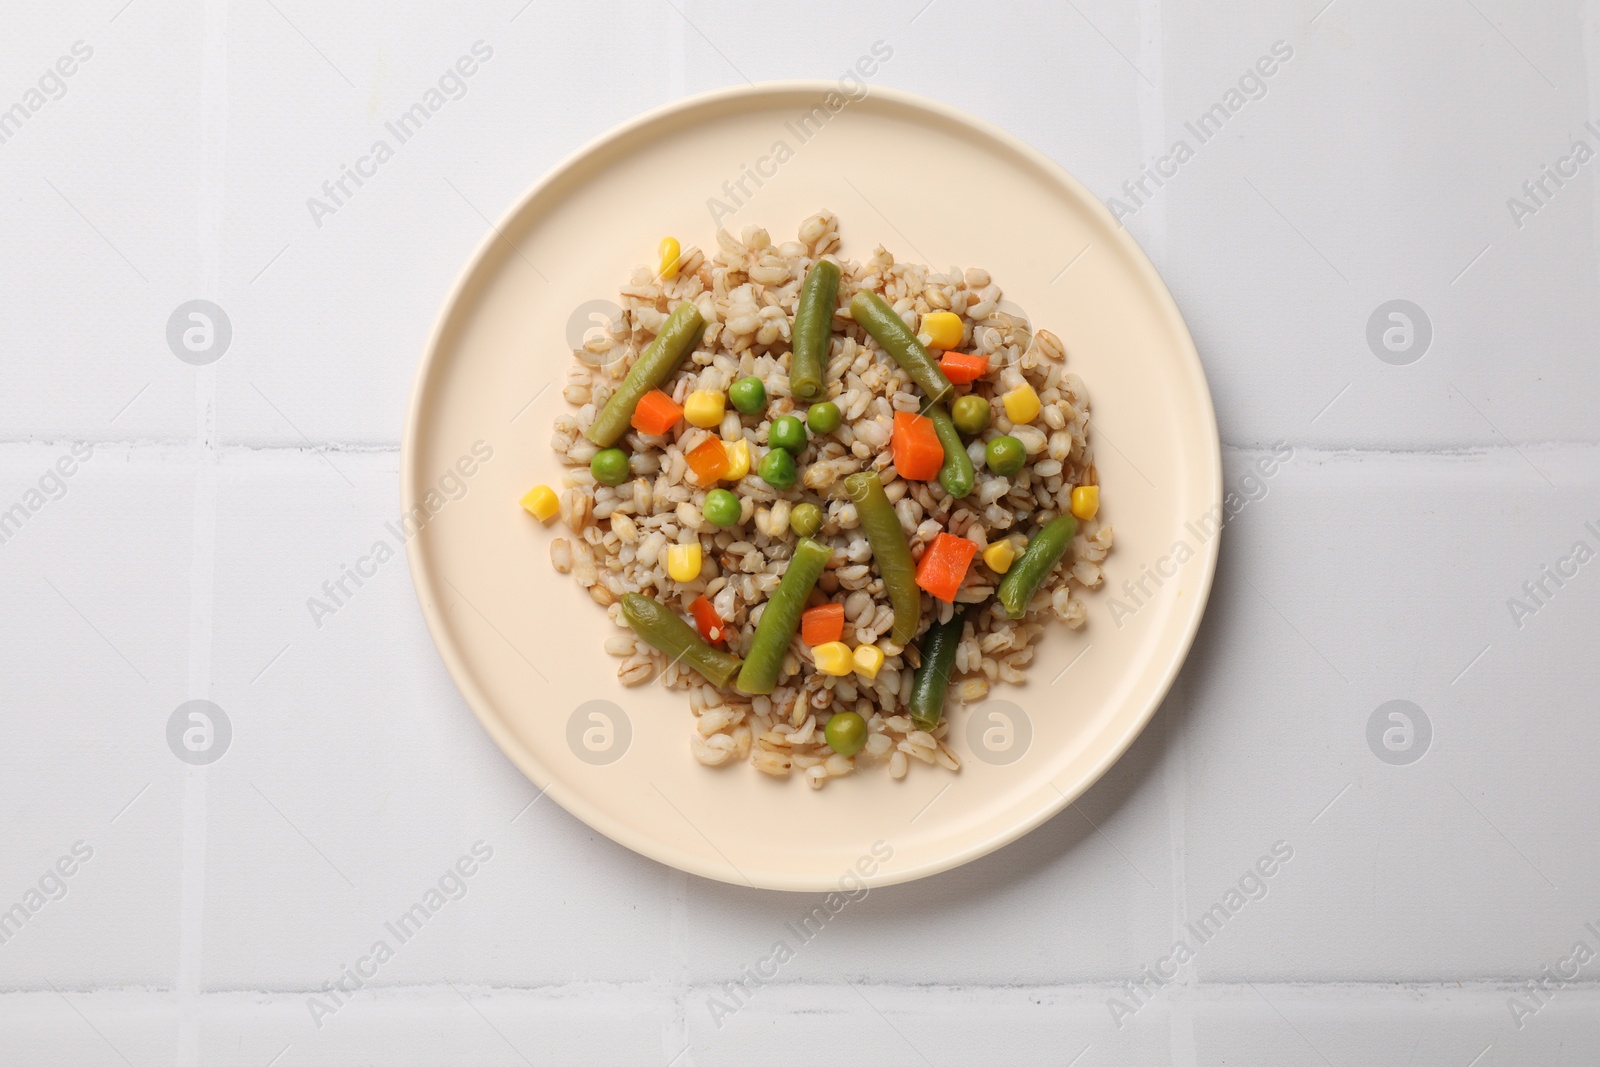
x: 707, y: 621
x: 918, y: 455
x: 964, y: 368
x: 656, y: 413
x: 822, y: 624
x: 708, y: 460
x: 944, y: 565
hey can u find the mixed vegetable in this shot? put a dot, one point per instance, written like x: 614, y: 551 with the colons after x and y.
x: 781, y: 615
x: 667, y: 632
x: 890, y: 551
x: 933, y: 677
x: 637, y: 400
x: 813, y: 328
x: 925, y: 445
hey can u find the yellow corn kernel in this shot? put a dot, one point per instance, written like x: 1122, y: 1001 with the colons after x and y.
x: 541, y: 502
x: 704, y: 408
x: 738, y: 454
x: 943, y: 328
x: 1000, y: 556
x: 869, y: 660
x: 833, y: 657
x: 683, y: 562
x: 1022, y: 404
x: 669, y: 258
x: 1086, y: 501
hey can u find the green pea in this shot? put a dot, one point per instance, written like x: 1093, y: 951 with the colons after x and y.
x: 824, y: 417
x: 721, y: 508
x: 748, y: 395
x: 971, y: 414
x: 777, y: 468
x: 1005, y: 455
x: 846, y: 733
x: 805, y: 520
x: 787, y: 432
x: 609, y: 466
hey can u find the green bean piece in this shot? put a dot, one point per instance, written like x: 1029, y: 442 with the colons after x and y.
x: 665, y: 631
x: 1044, y: 551
x: 813, y: 328
x: 887, y: 328
x: 890, y: 551
x: 781, y: 618
x: 678, y: 335
x: 957, y: 475
x: 939, y: 646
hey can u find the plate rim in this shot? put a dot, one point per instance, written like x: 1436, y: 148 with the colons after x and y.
x: 527, y: 762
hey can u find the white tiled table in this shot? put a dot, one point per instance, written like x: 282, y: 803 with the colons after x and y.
x: 1375, y: 164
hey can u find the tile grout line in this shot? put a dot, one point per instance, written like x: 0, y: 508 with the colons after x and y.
x: 202, y: 570
x: 1152, y: 142
x: 675, y: 1040
x: 1152, y: 116
x: 1175, y: 780
x: 649, y: 991
x: 1590, y: 21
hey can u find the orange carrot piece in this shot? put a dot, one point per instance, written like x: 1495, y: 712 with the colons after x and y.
x: 918, y: 455
x: 707, y: 621
x: 964, y: 368
x: 656, y: 413
x: 708, y: 460
x: 944, y: 565
x: 822, y: 624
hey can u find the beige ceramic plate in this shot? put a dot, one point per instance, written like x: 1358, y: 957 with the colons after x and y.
x: 524, y: 643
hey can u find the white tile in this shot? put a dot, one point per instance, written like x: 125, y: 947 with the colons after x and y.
x: 332, y: 330
x: 1091, y: 119
x: 359, y: 776
x: 1066, y: 903
x: 1359, y: 199
x: 1378, y: 1027
x: 104, y: 191
x: 862, y: 1023
x: 97, y: 641
x: 218, y: 900
x: 53, y: 1028
x: 1329, y: 605
x: 1261, y: 1023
